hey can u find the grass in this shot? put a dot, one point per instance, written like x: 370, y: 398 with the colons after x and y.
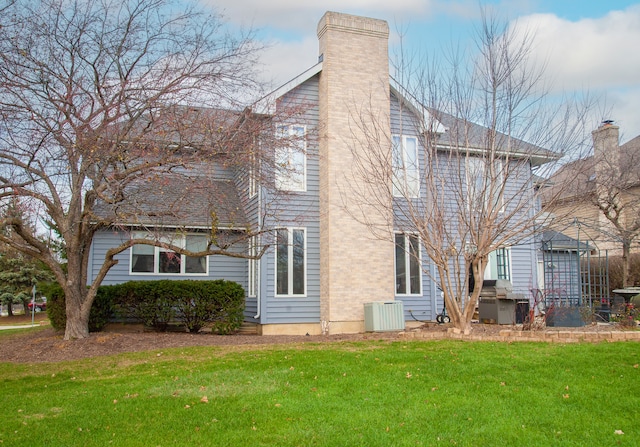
x: 342, y: 394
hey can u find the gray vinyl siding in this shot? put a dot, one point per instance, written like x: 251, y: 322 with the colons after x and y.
x: 523, y: 254
x: 422, y: 307
x: 403, y: 121
x: 298, y: 210
x: 523, y: 268
x: 220, y: 267
x: 251, y: 207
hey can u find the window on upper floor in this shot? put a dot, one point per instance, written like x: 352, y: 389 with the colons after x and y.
x: 484, y: 188
x: 406, y: 173
x: 408, y: 270
x: 291, y: 265
x: 291, y: 158
x: 148, y: 259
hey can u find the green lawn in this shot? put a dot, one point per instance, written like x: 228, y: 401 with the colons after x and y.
x: 343, y: 394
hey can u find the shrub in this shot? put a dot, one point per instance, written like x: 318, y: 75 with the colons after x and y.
x: 56, y: 308
x: 194, y: 306
x: 144, y: 301
x: 156, y: 304
x: 229, y: 312
x: 192, y: 303
x: 627, y: 315
x: 615, y: 271
x: 99, y: 316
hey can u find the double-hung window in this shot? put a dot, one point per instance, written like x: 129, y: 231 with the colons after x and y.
x: 291, y: 159
x: 291, y: 264
x: 476, y: 191
x: 408, y: 271
x: 148, y: 259
x: 485, y: 189
x: 406, y: 173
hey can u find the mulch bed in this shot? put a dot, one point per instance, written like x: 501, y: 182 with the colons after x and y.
x: 47, y: 345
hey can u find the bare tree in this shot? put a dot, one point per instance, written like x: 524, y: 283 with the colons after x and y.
x: 468, y: 185
x: 601, y: 194
x: 97, y: 111
x: 617, y: 197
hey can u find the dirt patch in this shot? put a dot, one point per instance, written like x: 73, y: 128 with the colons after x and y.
x: 47, y: 345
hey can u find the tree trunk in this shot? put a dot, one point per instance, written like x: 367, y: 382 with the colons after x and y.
x: 626, y: 252
x: 77, y: 326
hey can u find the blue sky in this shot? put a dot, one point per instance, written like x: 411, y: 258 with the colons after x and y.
x: 587, y: 45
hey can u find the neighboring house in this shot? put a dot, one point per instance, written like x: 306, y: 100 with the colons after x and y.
x: 608, y: 182
x: 323, y: 265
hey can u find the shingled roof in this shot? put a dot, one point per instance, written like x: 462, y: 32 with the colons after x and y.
x: 177, y: 201
x: 461, y: 133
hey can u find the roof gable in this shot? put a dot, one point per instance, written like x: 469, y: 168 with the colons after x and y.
x: 267, y: 105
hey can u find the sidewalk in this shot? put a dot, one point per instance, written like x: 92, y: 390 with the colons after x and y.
x: 20, y: 326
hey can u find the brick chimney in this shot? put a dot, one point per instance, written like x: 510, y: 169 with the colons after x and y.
x: 355, y: 266
x: 606, y: 150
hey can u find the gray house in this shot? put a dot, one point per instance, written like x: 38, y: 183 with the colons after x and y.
x: 323, y: 266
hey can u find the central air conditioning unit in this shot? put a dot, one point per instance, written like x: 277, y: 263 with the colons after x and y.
x: 383, y: 316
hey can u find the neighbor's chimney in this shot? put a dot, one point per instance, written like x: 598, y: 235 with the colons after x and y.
x: 605, y: 147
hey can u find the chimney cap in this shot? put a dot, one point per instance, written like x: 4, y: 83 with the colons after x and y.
x: 607, y: 122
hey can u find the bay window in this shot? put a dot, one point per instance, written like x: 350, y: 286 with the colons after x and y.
x: 148, y: 259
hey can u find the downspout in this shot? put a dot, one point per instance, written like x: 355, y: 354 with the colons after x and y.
x: 258, y: 272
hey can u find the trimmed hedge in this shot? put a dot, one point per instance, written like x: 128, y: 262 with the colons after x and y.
x: 156, y: 304
x: 101, y: 310
x: 195, y: 304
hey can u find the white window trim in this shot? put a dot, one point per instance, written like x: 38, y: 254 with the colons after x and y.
x: 493, y: 258
x: 283, y: 182
x: 290, y: 231
x: 401, y: 186
x: 484, y: 192
x: 179, y: 241
x: 407, y: 260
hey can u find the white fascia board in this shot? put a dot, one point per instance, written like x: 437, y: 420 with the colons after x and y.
x: 267, y: 105
x: 535, y: 159
x: 420, y: 110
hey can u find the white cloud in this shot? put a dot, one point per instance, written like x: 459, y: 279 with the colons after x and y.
x: 300, y: 15
x: 598, y: 56
x: 589, y: 53
x: 286, y: 60
x: 625, y: 112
